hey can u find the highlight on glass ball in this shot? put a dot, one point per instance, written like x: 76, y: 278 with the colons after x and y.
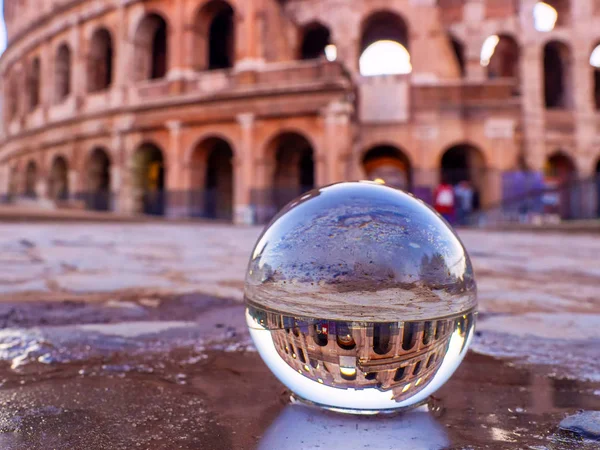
x: 360, y: 298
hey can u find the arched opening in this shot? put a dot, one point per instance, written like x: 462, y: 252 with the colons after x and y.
x: 12, y: 98
x: 344, y: 337
x: 98, y: 181
x: 595, y: 63
x: 503, y: 61
x: 598, y: 186
x: 31, y: 180
x: 212, y: 179
x: 560, y: 167
x: 58, y: 188
x: 459, y: 53
x: 315, y: 39
x: 63, y: 73
x: 390, y: 165
x: 294, y: 168
x: 33, y: 84
x: 557, y: 76
x: 100, y: 61
x: 551, y: 13
x: 151, y: 48
x: 149, y: 180
x: 214, y: 32
x: 13, y: 182
x: 560, y: 171
x: 382, y: 337
x: 384, y: 45
x: 464, y: 166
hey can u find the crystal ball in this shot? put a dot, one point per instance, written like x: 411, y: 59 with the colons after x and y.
x: 360, y: 298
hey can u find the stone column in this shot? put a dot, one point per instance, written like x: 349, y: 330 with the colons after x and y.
x: 121, y: 177
x: 78, y: 70
x: 243, y: 209
x: 532, y: 82
x: 124, y: 56
x: 175, y: 187
x: 177, y: 47
x: 337, y: 142
x: 249, y: 53
x: 474, y: 13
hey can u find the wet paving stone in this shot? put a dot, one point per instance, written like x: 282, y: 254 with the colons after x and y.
x: 181, y: 373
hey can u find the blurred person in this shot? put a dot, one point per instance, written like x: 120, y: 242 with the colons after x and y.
x: 464, y: 198
x: 444, y: 201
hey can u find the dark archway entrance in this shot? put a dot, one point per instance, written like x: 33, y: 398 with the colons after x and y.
x: 149, y: 180
x: 214, y: 36
x: 505, y: 61
x: 98, y: 195
x: 151, y: 48
x: 294, y: 168
x: 62, y: 73
x: 100, y: 61
x: 390, y: 165
x: 558, y: 93
x: 465, y: 163
x: 59, y: 179
x: 560, y: 174
x: 31, y: 180
x: 33, y: 83
x: 314, y: 40
x: 459, y: 53
x: 212, y: 179
x: 598, y: 186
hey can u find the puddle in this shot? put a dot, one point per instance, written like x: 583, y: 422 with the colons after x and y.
x: 182, y: 374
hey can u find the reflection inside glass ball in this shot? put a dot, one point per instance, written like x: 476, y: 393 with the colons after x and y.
x: 360, y: 298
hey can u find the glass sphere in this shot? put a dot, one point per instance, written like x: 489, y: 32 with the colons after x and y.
x: 360, y: 298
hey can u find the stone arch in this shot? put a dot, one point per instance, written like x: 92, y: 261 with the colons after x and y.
x: 597, y: 180
x: 558, y: 81
x: 505, y: 60
x: 390, y: 164
x: 151, y: 48
x: 458, y: 48
x: 100, y: 61
x: 62, y: 73
x: 387, y: 28
x: 560, y: 167
x: 563, y: 11
x: 214, y: 36
x: 58, y: 183
x: 34, y: 83
x: 31, y: 179
x: 148, y: 177
x: 12, y: 97
x: 464, y: 162
x: 293, y: 163
x: 98, y: 180
x: 212, y: 178
x: 315, y: 38
x: 560, y: 172
x: 13, y: 181
x: 595, y: 64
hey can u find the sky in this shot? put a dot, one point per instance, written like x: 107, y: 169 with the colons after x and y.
x: 2, y: 31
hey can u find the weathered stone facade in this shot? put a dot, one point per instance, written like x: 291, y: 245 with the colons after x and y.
x: 149, y: 101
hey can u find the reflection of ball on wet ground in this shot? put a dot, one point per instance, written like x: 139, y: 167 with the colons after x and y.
x: 360, y: 297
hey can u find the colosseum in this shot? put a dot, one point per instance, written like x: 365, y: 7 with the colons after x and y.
x: 230, y: 108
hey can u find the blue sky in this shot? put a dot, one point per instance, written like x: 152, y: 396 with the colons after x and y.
x: 2, y: 32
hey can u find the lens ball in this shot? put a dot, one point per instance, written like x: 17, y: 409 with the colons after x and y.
x: 360, y: 298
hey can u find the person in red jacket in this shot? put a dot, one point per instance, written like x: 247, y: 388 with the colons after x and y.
x: 444, y: 201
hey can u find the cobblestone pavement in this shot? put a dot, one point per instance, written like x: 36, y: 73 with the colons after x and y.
x: 516, y: 272
x: 132, y: 336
